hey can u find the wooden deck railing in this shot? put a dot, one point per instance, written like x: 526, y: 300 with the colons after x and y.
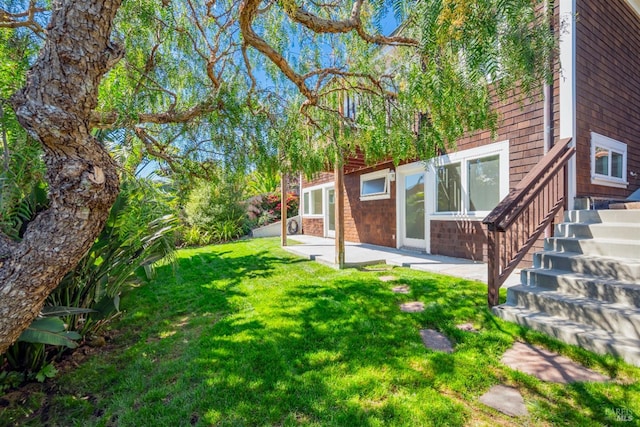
x: 521, y: 217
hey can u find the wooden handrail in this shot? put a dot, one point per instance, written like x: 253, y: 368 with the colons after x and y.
x: 506, y: 207
x: 521, y: 217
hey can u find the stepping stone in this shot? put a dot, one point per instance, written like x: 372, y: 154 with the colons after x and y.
x: 505, y: 399
x: 412, y: 307
x: 548, y: 366
x: 402, y: 289
x: 434, y: 340
x: 468, y: 327
x: 388, y: 278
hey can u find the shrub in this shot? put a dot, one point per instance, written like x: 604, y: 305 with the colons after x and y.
x: 228, y: 229
x: 265, y: 209
x: 138, y: 233
x: 215, y: 212
x: 194, y: 236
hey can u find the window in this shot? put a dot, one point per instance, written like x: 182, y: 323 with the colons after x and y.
x: 449, y: 188
x: 472, y: 181
x: 484, y: 183
x: 312, y: 200
x: 608, y: 161
x: 349, y: 105
x: 375, y: 185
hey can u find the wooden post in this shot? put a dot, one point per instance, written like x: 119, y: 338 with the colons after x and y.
x: 338, y: 193
x: 283, y: 209
x: 339, y: 213
x: 493, y: 258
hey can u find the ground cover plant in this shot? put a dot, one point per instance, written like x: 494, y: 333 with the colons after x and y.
x: 247, y: 334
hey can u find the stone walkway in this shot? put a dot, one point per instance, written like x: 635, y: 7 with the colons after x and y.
x: 543, y: 364
x: 507, y: 400
x: 548, y: 366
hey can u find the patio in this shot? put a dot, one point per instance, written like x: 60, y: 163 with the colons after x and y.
x: 360, y: 254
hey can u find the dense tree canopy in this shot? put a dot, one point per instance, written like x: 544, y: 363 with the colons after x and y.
x: 232, y: 83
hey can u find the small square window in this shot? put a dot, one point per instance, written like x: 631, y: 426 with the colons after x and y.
x: 375, y: 185
x: 608, y: 161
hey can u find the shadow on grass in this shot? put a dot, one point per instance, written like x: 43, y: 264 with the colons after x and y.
x: 338, y: 354
x: 236, y: 338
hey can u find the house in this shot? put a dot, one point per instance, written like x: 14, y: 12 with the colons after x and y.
x: 438, y: 206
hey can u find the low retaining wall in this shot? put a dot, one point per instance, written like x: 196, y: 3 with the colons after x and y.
x: 273, y: 230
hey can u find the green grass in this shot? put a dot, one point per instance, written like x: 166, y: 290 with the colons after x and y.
x: 246, y: 334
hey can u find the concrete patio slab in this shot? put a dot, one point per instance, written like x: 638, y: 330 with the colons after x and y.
x: 505, y: 399
x: 361, y: 254
x: 548, y: 366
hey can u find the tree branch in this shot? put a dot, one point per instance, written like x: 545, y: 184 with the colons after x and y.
x: 22, y: 19
x: 152, y: 146
x: 354, y: 22
x: 248, y: 11
x: 104, y: 120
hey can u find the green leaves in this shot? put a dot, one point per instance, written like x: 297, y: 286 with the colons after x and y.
x: 51, y: 331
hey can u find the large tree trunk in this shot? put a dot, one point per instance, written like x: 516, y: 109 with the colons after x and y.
x: 55, y: 107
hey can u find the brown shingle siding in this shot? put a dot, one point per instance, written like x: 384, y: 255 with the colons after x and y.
x: 313, y: 226
x: 607, y: 86
x: 371, y: 221
x: 318, y: 178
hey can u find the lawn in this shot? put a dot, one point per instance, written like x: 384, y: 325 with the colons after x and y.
x: 247, y: 334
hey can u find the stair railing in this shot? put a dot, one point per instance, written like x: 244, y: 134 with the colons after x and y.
x: 521, y: 217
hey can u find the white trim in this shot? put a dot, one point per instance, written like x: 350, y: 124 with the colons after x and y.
x: 598, y: 140
x: 386, y: 194
x: 568, y: 87
x: 325, y: 196
x: 430, y: 168
x: 402, y: 241
x: 463, y: 157
x: 309, y: 190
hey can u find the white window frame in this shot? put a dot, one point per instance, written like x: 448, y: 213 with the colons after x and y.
x: 309, y: 191
x: 464, y: 157
x: 386, y: 194
x: 612, y: 145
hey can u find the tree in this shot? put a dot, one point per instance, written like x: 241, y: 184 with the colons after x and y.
x: 192, y: 91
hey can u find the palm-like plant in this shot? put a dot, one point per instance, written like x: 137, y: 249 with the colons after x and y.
x: 137, y: 234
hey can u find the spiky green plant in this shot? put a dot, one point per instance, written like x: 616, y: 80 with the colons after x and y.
x: 137, y: 234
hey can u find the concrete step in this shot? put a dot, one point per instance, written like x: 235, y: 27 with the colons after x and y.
x: 587, y: 286
x: 585, y: 336
x: 623, y: 269
x: 623, y: 319
x: 625, y: 205
x: 621, y: 248
x: 608, y: 230
x: 603, y: 216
